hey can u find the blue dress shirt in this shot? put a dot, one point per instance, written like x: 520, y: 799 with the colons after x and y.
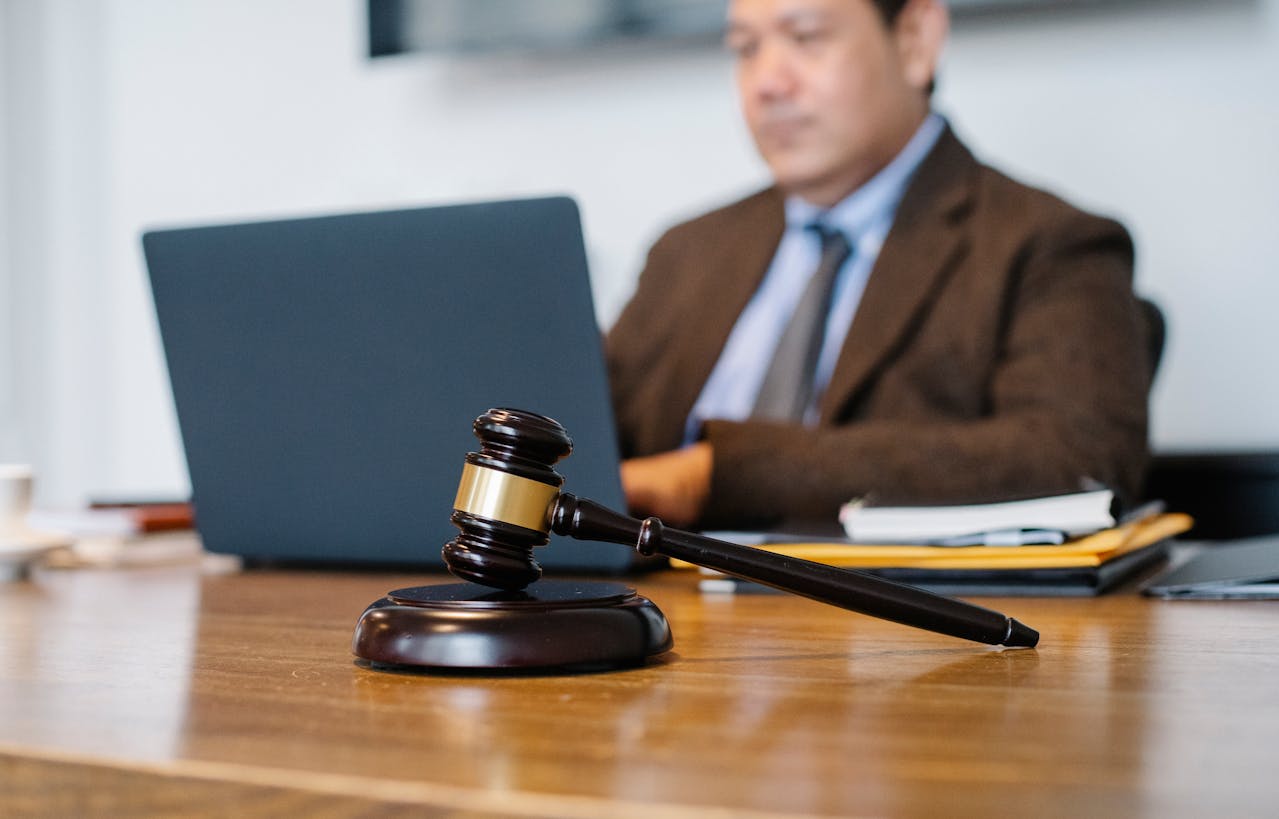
x: 865, y: 217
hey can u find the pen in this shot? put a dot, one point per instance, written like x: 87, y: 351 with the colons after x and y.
x: 1142, y: 512
x: 1005, y: 537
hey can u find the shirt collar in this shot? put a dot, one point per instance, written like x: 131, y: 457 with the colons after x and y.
x: 876, y: 199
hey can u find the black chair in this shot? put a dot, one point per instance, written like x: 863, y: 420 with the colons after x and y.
x: 1156, y: 333
x: 1229, y: 494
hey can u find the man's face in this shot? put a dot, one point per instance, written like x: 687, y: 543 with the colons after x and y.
x: 830, y: 93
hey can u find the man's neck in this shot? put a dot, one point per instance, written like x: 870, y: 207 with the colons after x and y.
x: 831, y: 193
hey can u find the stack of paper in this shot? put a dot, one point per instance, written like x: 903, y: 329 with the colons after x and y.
x: 1082, y: 566
x: 143, y: 534
x: 134, y: 519
x: 1037, y: 520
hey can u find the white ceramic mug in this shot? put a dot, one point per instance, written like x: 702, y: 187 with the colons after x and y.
x: 15, y: 496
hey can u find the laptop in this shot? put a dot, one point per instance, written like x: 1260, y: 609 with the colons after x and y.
x: 1245, y: 569
x: 326, y: 372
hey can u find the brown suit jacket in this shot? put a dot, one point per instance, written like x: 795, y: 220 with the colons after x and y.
x: 998, y: 351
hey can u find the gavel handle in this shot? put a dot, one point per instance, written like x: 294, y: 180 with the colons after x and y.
x: 856, y: 591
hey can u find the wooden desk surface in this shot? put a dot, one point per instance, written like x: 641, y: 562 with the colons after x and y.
x: 161, y: 691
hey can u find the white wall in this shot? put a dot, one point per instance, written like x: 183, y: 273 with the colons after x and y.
x: 8, y: 413
x: 132, y: 113
x: 1167, y: 115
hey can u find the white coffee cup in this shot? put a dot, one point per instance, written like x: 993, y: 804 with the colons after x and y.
x: 15, y: 496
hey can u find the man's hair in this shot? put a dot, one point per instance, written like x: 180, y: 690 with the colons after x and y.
x: 889, y: 9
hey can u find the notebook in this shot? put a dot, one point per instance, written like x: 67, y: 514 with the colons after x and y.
x: 326, y: 372
x: 1049, y: 519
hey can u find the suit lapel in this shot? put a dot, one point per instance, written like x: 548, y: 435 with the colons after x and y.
x: 925, y: 242
x: 727, y: 289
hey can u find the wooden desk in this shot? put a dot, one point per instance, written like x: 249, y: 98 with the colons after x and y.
x: 161, y: 691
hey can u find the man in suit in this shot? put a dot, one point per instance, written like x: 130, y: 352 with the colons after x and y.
x: 976, y: 339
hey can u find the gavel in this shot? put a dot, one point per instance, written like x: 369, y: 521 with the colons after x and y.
x: 510, y: 499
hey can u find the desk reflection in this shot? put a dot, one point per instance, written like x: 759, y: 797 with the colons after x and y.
x: 98, y: 661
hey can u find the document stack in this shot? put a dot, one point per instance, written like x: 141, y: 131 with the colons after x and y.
x: 1068, y: 545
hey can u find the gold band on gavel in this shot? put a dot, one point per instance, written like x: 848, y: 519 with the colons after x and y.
x: 494, y: 495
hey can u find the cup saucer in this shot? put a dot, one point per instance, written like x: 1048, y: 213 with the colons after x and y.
x: 20, y: 549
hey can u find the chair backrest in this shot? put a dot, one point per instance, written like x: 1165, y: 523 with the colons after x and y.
x: 1156, y: 333
x: 1229, y: 494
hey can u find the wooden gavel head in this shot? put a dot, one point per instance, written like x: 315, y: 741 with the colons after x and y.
x: 504, y: 498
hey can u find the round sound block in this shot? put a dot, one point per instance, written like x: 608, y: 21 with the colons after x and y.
x: 551, y: 624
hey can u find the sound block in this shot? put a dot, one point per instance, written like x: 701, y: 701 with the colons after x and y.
x: 552, y: 624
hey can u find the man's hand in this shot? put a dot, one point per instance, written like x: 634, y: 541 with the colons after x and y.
x: 673, y: 485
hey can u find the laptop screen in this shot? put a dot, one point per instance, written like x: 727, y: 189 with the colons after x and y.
x: 326, y: 372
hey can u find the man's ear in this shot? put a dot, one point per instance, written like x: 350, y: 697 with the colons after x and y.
x: 920, y: 31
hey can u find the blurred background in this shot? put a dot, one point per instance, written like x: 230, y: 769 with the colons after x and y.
x: 120, y: 115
